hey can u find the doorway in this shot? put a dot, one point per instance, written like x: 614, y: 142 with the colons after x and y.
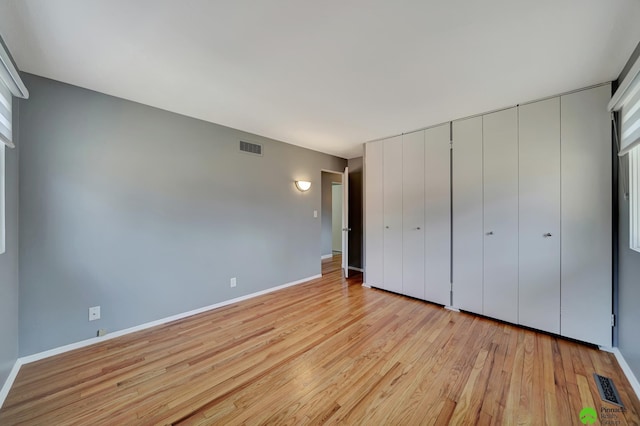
x: 334, y: 216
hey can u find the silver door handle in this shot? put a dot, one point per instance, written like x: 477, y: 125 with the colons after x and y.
x: 387, y: 227
x: 490, y: 233
x: 349, y: 229
x: 548, y: 234
x: 418, y: 228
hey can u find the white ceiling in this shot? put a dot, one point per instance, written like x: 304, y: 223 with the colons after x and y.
x: 327, y: 75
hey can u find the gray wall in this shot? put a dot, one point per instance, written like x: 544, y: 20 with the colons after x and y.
x: 326, y: 211
x: 149, y: 214
x: 9, y: 263
x: 355, y: 213
x: 628, y: 270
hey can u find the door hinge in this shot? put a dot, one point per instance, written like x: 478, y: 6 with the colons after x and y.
x: 613, y: 320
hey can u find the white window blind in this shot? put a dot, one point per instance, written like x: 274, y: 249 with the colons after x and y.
x: 5, y: 115
x: 630, y: 118
x: 627, y: 101
x: 10, y: 85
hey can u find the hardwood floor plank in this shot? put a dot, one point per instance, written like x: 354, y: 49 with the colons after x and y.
x: 326, y: 351
x: 494, y: 392
x: 560, y: 404
x: 513, y: 397
x: 468, y: 404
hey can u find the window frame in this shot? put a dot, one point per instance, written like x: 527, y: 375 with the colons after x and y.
x: 626, y: 100
x: 3, y: 205
x: 634, y: 198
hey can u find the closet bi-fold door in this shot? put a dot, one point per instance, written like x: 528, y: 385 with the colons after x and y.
x: 392, y: 211
x: 374, y: 215
x: 500, y: 165
x: 467, y: 214
x: 539, y: 211
x: 437, y: 174
x: 586, y: 216
x: 413, y: 260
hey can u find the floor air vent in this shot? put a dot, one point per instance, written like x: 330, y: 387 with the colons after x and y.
x: 251, y: 148
x: 607, y: 389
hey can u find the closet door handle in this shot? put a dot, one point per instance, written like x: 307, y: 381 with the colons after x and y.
x: 548, y: 234
x: 387, y: 227
x: 418, y: 228
x: 490, y: 233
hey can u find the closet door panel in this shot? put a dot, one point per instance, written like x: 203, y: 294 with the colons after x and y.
x: 374, y: 217
x: 392, y: 196
x: 500, y: 165
x: 413, y: 259
x: 437, y: 166
x: 586, y: 216
x: 539, y: 210
x: 467, y: 214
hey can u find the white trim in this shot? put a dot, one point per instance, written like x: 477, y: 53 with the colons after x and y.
x: 353, y: 268
x: 3, y: 199
x: 4, y: 392
x: 332, y: 171
x: 451, y: 308
x: 6, y: 141
x: 624, y: 151
x: 625, y: 369
x: 326, y: 256
x: 94, y: 340
x: 365, y: 285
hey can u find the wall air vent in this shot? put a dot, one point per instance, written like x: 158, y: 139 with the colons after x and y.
x: 251, y: 148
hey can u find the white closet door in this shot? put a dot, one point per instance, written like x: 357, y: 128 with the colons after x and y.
x: 500, y: 160
x: 374, y: 218
x: 392, y: 195
x: 413, y: 214
x: 467, y: 214
x: 539, y: 198
x: 586, y: 216
x: 437, y: 226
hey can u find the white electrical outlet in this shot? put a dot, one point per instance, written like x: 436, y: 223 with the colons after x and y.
x: 102, y: 332
x: 94, y: 313
x: 315, y: 213
x: 233, y: 282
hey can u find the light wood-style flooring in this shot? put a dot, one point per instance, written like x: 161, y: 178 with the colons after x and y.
x: 327, y: 351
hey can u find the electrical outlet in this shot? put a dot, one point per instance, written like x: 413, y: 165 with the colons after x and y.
x: 315, y: 213
x: 94, y: 313
x: 233, y: 282
x: 102, y: 332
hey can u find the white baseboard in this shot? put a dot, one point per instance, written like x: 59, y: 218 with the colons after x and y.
x: 326, y: 256
x: 451, y: 308
x: 626, y: 369
x: 366, y: 285
x: 4, y: 392
x: 94, y: 340
x: 353, y: 268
